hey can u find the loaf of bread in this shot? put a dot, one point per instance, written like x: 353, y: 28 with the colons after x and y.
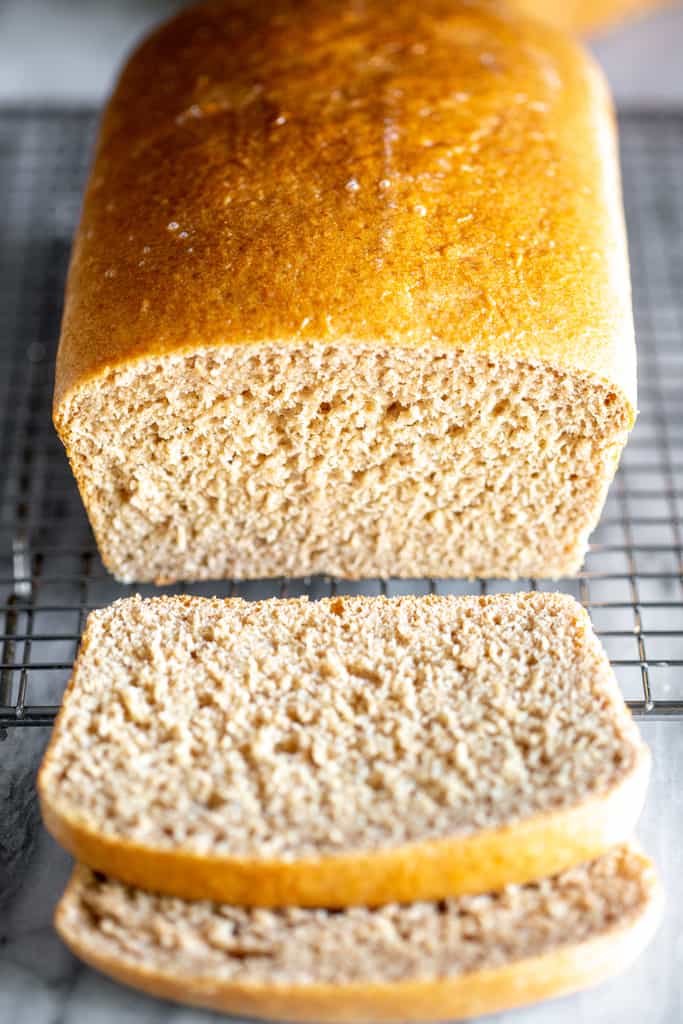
x: 425, y: 961
x: 349, y: 295
x: 585, y: 15
x: 347, y: 751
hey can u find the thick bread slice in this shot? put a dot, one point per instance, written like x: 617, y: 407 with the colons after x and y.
x: 350, y: 295
x: 347, y: 751
x: 424, y: 961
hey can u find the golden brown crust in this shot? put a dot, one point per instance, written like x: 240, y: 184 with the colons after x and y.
x: 480, y: 862
x: 586, y: 15
x: 442, y: 174
x: 486, y: 991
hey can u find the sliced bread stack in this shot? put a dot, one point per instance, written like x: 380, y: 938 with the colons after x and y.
x: 357, y: 808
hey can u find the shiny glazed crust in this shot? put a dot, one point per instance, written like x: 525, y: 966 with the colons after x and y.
x: 239, y: 196
x: 557, y: 973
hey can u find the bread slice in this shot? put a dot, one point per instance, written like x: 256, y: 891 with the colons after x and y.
x: 347, y: 751
x: 423, y: 961
x: 350, y: 295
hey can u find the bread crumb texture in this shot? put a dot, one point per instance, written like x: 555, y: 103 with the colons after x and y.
x: 286, y: 729
x: 357, y: 461
x: 429, y: 940
x: 350, y: 295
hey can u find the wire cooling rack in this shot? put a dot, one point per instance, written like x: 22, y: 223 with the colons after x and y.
x: 50, y: 572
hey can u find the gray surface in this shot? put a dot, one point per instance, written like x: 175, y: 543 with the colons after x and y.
x: 61, y: 50
x: 643, y: 60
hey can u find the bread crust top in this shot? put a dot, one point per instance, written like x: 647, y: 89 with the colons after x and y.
x: 442, y: 174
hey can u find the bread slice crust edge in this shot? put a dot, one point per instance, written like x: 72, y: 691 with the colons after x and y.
x: 436, y: 869
x: 560, y: 972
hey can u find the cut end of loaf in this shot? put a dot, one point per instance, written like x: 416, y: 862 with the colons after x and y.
x: 264, y: 460
x: 280, y: 733
x: 458, y: 957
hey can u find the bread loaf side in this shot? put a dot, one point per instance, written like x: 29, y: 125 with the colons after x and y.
x: 349, y: 295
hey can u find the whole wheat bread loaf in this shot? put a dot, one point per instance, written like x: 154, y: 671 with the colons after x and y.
x: 423, y: 961
x: 346, y: 751
x: 350, y: 295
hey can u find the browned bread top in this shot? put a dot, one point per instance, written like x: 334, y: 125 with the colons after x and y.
x: 440, y: 173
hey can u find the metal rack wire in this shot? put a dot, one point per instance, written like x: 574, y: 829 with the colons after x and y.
x: 50, y: 573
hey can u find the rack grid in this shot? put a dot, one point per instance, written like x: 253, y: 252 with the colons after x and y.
x: 50, y: 572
